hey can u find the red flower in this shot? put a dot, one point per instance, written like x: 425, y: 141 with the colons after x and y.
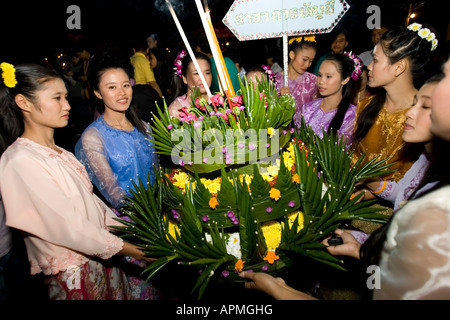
x: 186, y: 116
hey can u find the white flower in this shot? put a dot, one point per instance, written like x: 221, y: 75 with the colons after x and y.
x: 424, y: 33
x: 434, y: 44
x: 431, y: 36
x: 415, y: 26
x: 234, y: 245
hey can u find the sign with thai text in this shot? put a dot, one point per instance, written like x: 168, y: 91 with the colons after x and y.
x: 261, y: 19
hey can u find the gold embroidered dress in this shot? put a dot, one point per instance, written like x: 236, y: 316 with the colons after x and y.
x: 384, y: 139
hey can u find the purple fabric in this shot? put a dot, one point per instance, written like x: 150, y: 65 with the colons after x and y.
x: 399, y: 192
x: 318, y: 119
x: 303, y: 89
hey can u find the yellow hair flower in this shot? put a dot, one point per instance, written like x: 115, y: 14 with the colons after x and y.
x: 275, y: 194
x: 8, y: 74
x: 213, y: 203
x: 271, y: 257
x: 298, y: 39
x: 239, y: 266
x: 310, y: 38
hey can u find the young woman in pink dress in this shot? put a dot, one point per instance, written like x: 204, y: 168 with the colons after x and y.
x: 47, y: 193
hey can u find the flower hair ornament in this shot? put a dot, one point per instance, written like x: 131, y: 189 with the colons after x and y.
x: 303, y: 38
x: 268, y: 71
x: 357, y: 63
x: 424, y: 33
x: 178, y: 64
x: 8, y: 74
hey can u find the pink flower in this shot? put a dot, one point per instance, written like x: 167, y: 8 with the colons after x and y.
x: 200, y: 103
x: 217, y: 99
x: 186, y: 116
x: 236, y: 101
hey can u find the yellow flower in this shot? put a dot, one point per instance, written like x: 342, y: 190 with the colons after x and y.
x: 270, y: 131
x: 239, y: 265
x: 291, y: 218
x: 273, y: 170
x: 213, y: 186
x: 275, y: 194
x: 8, y: 74
x: 272, y: 234
x: 173, y: 229
x: 213, y: 203
x: 296, y: 178
x: 271, y: 257
x: 181, y: 180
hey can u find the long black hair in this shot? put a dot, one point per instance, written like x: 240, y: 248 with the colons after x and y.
x: 397, y: 43
x: 345, y: 67
x: 438, y: 171
x: 30, y: 79
x: 108, y: 60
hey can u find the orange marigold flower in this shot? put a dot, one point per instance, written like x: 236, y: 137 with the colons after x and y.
x: 239, y: 265
x: 275, y: 194
x: 296, y: 178
x: 213, y: 203
x: 271, y: 257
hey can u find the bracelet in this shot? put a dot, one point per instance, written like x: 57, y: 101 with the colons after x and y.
x: 381, y: 189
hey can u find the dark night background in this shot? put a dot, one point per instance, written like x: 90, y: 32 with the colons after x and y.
x: 32, y: 31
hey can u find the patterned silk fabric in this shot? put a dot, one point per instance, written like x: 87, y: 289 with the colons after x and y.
x: 384, y: 140
x: 114, y: 158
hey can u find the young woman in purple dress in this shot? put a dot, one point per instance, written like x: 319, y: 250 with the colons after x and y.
x: 338, y: 82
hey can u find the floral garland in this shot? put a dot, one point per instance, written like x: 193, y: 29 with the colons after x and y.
x: 8, y: 74
x: 358, y: 65
x: 178, y: 62
x: 424, y: 33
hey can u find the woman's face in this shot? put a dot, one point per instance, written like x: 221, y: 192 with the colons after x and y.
x: 364, y: 79
x: 302, y: 60
x: 115, y: 90
x: 418, y: 122
x: 192, y: 78
x: 339, y: 44
x: 381, y: 71
x: 51, y: 109
x: 329, y: 79
x: 440, y: 110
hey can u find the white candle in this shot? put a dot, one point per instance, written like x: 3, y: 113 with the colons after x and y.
x: 285, y: 58
x: 188, y: 48
x: 220, y: 63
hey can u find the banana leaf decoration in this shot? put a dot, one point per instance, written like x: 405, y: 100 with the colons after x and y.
x: 323, y: 194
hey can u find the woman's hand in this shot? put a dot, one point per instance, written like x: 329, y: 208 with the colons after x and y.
x: 275, y: 287
x: 134, y: 251
x: 284, y: 91
x: 349, y: 248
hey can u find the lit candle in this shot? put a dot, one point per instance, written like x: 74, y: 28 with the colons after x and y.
x: 188, y: 48
x: 222, y: 71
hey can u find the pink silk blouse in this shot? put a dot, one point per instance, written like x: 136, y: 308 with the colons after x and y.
x: 49, y: 197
